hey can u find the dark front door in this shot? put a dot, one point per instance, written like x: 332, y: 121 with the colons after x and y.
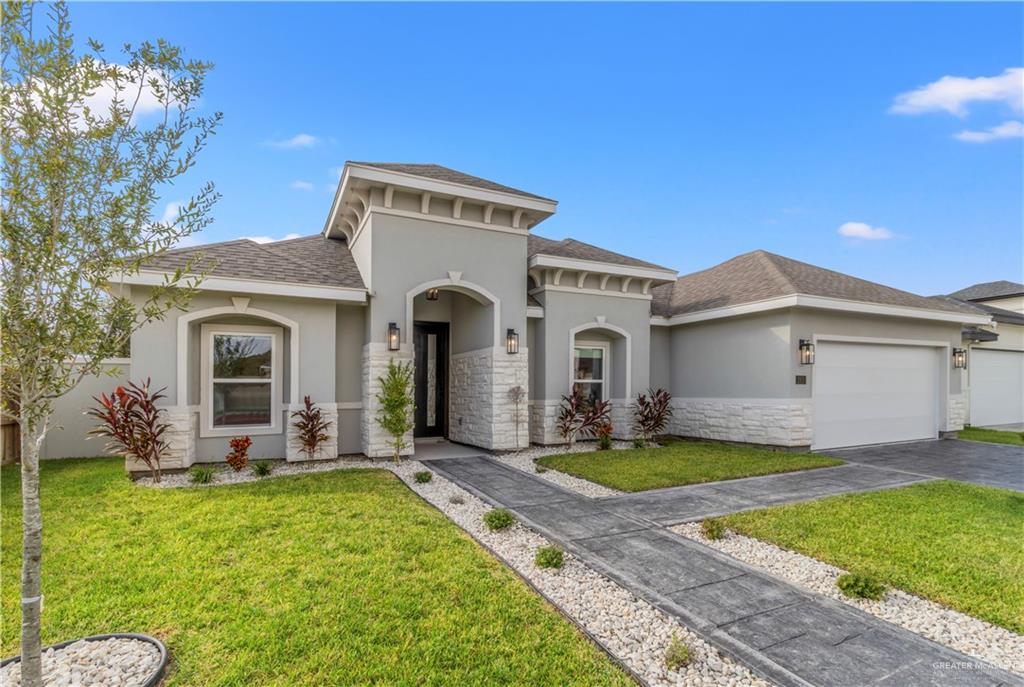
x: 431, y: 343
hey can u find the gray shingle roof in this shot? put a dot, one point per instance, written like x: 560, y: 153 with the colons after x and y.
x: 991, y: 289
x: 577, y: 250
x: 440, y: 173
x: 306, y: 260
x: 998, y: 314
x: 760, y: 275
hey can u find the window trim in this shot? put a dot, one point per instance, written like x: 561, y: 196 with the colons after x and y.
x: 206, y: 426
x: 606, y: 366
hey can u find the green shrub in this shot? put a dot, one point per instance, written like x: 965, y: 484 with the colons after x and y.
x: 201, y: 474
x: 678, y: 654
x: 261, y: 468
x: 549, y: 557
x: 423, y: 476
x: 539, y: 468
x: 639, y: 443
x: 860, y: 586
x: 498, y: 519
x: 712, y: 528
x: 604, y: 442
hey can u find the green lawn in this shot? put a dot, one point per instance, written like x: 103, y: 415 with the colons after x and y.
x: 680, y: 462
x: 332, y: 578
x: 959, y: 544
x: 993, y: 436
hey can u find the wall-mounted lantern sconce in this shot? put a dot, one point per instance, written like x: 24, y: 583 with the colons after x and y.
x: 512, y: 341
x: 806, y: 352
x: 960, y: 358
x: 394, y: 337
x: 433, y: 294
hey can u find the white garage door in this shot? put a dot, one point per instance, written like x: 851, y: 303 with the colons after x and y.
x: 874, y: 393
x: 997, y: 387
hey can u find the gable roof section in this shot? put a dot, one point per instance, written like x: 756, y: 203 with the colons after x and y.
x: 991, y: 289
x: 439, y: 173
x: 578, y: 250
x: 314, y: 260
x: 761, y: 276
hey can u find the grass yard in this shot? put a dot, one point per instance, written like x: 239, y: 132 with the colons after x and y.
x: 955, y: 543
x: 992, y: 436
x: 332, y: 578
x: 680, y: 462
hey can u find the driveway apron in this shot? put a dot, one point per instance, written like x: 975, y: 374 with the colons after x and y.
x: 788, y: 635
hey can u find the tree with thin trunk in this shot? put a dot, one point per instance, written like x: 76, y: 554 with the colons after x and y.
x: 88, y: 146
x: 396, y: 405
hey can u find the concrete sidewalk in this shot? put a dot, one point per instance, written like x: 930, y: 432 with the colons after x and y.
x: 790, y: 636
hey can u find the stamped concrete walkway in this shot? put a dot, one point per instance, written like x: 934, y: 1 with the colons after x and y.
x: 788, y: 635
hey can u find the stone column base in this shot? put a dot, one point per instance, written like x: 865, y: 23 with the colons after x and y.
x: 375, y: 442
x: 180, y: 437
x: 769, y: 422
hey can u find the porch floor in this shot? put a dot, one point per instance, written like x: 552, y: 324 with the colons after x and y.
x: 434, y: 449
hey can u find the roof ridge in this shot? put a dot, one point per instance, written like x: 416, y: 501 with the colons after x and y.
x: 769, y: 259
x: 281, y: 256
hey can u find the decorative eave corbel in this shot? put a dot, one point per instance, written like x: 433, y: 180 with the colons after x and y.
x: 537, y: 276
x: 488, y: 211
x: 517, y: 217
x: 604, y: 281
x: 558, y: 277
x: 580, y: 278
x: 389, y: 195
x: 457, y: 208
x: 626, y: 281
x: 425, y: 203
x: 647, y: 286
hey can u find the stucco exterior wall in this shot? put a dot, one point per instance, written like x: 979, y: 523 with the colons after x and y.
x: 348, y: 383
x: 68, y: 435
x: 661, y: 357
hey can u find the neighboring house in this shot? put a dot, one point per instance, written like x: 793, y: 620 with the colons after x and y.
x: 425, y: 264
x: 995, y: 372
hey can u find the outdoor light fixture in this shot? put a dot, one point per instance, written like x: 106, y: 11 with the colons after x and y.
x: 806, y: 352
x: 960, y: 358
x: 394, y: 337
x: 433, y: 294
x: 511, y: 341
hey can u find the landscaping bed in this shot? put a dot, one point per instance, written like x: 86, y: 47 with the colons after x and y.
x: 954, y: 543
x: 679, y: 463
x: 332, y: 578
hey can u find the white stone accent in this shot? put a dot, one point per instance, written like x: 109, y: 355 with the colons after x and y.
x: 328, y: 450
x: 543, y: 421
x: 772, y: 422
x: 180, y: 437
x: 622, y: 418
x: 480, y: 410
x: 375, y: 443
x: 956, y: 413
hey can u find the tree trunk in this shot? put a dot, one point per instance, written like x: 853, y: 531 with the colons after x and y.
x: 32, y: 552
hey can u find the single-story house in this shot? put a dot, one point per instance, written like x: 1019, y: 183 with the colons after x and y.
x: 995, y: 375
x: 425, y: 264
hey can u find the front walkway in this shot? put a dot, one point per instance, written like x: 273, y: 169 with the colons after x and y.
x: 790, y: 636
x: 993, y: 465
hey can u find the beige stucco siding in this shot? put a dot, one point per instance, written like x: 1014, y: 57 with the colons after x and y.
x: 661, y: 357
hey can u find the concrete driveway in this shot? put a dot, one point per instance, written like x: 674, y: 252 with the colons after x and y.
x: 993, y: 465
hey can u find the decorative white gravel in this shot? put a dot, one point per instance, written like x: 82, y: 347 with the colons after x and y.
x: 116, y: 662
x: 225, y: 474
x: 524, y: 460
x: 627, y: 627
x: 959, y: 631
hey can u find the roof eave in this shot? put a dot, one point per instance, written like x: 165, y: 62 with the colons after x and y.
x: 254, y: 286
x: 656, y: 275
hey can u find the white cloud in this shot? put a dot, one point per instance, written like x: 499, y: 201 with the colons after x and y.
x: 270, y: 239
x: 953, y: 93
x: 171, y: 212
x: 127, y: 89
x: 1010, y: 129
x: 297, y: 141
x: 301, y: 185
x: 860, y: 230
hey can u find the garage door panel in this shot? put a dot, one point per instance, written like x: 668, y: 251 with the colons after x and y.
x: 997, y: 387
x: 874, y: 393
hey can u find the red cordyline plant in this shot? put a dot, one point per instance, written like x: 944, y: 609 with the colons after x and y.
x: 651, y: 413
x: 239, y: 456
x: 579, y: 418
x: 130, y: 418
x: 310, y: 428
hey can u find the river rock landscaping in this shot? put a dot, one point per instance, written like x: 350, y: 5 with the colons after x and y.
x: 113, y: 662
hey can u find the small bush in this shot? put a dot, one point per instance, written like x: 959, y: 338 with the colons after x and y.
x: 201, y: 474
x: 712, y: 528
x: 498, y: 519
x: 678, y: 654
x: 456, y: 499
x: 539, y: 468
x: 859, y: 586
x: 239, y: 456
x: 423, y: 476
x: 604, y: 442
x: 549, y: 557
x: 639, y: 443
x: 261, y: 468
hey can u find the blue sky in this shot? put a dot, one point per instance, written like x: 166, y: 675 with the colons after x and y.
x: 681, y: 134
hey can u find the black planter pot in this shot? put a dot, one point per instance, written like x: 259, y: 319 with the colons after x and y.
x: 151, y: 681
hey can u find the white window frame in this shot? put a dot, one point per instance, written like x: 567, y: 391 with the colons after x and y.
x: 606, y: 366
x: 207, y: 429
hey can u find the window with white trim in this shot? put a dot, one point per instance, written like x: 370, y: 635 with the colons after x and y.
x: 590, y: 371
x: 241, y: 378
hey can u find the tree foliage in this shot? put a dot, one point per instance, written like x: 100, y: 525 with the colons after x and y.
x: 396, y: 405
x: 130, y: 418
x: 89, y: 144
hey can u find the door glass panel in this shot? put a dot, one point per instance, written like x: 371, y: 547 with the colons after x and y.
x: 431, y: 380
x: 240, y: 356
